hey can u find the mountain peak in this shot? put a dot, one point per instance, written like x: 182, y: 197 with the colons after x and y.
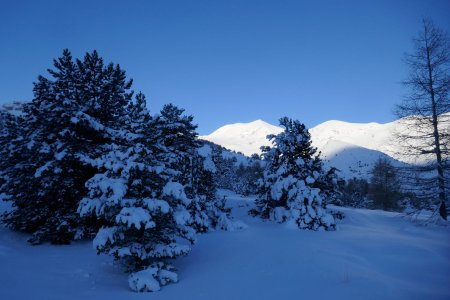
x: 352, y: 147
x: 243, y: 137
x: 259, y: 122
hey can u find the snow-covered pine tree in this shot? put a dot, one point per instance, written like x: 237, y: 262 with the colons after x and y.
x: 178, y: 136
x: 354, y: 193
x: 209, y: 211
x: 144, y: 208
x: 384, y: 187
x: 192, y: 160
x: 288, y: 190
x: 249, y: 176
x: 202, y: 173
x: 8, y: 128
x: 9, y: 132
x: 225, y: 176
x: 72, y: 116
x: 328, y: 183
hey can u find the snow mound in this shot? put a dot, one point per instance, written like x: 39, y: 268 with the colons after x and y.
x: 151, y: 279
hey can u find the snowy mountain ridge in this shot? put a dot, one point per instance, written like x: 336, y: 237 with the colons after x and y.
x: 249, y: 137
x: 243, y: 137
x: 373, y: 136
x: 351, y: 147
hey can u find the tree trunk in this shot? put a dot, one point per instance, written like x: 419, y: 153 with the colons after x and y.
x: 437, y: 145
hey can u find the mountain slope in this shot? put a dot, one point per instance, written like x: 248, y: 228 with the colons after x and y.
x: 243, y: 137
x: 373, y: 136
x: 351, y: 160
x: 351, y: 147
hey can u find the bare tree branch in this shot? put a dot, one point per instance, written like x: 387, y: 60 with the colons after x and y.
x: 425, y: 114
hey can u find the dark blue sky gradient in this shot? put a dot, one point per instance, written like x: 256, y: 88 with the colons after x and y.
x: 229, y: 61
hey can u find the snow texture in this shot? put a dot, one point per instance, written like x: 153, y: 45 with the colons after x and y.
x: 151, y: 279
x: 176, y: 190
x: 353, y: 148
x: 206, y: 152
x: 374, y: 255
x: 135, y: 216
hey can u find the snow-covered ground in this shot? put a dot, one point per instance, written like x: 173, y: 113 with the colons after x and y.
x: 372, y: 255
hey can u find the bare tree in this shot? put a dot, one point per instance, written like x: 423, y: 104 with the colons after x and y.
x: 425, y: 111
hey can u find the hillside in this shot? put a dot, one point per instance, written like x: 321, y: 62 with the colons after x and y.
x: 351, y: 147
x: 243, y: 137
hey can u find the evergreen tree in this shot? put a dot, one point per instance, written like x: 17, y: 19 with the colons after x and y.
x: 9, y: 132
x: 328, y: 183
x: 248, y: 177
x: 72, y: 117
x: 143, y: 207
x: 225, y: 175
x: 86, y: 148
x: 288, y: 191
x: 191, y: 160
x: 384, y: 188
x: 202, y: 172
x: 178, y: 136
x: 208, y: 207
x: 234, y: 171
x: 354, y: 193
x: 140, y: 194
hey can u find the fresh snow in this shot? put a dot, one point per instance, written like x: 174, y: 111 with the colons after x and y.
x: 176, y: 190
x: 243, y: 137
x: 14, y: 108
x: 135, y: 216
x: 206, y: 152
x: 372, y: 255
x: 353, y: 148
x: 154, y: 204
x: 351, y: 160
x: 148, y: 280
x: 249, y: 137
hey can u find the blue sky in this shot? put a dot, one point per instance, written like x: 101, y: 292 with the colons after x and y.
x: 229, y: 61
